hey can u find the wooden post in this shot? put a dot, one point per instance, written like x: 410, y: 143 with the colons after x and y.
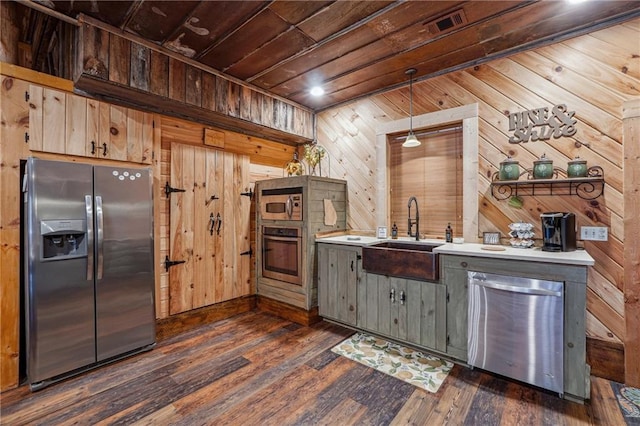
x: 15, y: 118
x: 631, y: 267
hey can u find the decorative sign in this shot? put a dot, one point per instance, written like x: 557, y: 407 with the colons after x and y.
x: 382, y: 232
x: 538, y: 125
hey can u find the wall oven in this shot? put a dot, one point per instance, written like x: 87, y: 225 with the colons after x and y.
x: 281, y: 204
x: 282, y: 253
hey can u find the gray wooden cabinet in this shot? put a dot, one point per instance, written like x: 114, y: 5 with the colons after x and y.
x: 454, y: 270
x: 455, y: 280
x: 339, y: 270
x: 316, y: 192
x: 406, y: 310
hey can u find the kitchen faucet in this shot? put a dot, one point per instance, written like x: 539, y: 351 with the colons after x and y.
x: 415, y: 221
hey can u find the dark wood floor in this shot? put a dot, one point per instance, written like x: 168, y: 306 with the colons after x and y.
x: 257, y: 369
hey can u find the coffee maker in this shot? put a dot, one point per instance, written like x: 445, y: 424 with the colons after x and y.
x: 558, y: 231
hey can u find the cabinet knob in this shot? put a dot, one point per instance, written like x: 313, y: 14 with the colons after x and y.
x: 464, y: 264
x: 351, y: 308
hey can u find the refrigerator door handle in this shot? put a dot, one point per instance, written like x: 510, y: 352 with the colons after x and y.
x: 88, y: 205
x: 99, y: 235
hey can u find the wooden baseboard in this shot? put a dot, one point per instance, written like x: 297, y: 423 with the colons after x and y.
x: 606, y: 359
x: 289, y: 312
x: 180, y: 323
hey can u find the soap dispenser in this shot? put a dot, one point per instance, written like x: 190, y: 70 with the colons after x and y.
x: 448, y: 233
x: 394, y: 231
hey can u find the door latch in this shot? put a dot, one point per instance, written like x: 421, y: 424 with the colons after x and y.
x: 248, y: 193
x: 213, y: 197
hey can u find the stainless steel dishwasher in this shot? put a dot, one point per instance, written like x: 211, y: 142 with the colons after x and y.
x: 516, y: 328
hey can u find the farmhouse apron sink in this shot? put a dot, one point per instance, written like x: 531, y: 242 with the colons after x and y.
x: 402, y: 259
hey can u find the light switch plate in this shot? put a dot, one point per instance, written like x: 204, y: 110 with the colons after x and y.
x: 594, y: 233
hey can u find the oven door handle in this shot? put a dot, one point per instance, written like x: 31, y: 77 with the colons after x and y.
x: 289, y: 206
x: 272, y: 238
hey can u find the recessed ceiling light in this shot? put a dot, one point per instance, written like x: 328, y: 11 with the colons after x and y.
x: 317, y: 91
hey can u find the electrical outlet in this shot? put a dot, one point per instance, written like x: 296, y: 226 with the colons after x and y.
x: 594, y: 233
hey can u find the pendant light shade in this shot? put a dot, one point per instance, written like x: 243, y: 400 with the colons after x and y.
x: 411, y: 140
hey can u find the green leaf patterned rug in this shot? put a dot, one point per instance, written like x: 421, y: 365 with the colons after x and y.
x: 629, y: 400
x: 424, y: 371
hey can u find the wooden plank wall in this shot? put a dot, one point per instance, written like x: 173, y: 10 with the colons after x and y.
x: 267, y: 159
x: 592, y: 74
x: 631, y: 265
x: 108, y: 55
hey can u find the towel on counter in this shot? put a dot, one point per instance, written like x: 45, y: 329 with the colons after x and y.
x: 330, y: 216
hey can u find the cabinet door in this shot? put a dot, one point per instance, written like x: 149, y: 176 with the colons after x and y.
x: 97, y: 130
x: 385, y: 311
x: 209, y: 235
x: 398, y: 312
x: 367, y: 299
x: 423, y: 314
x: 139, y: 136
x: 456, y: 283
x: 76, y: 125
x: 116, y: 145
x: 47, y: 117
x: 338, y: 269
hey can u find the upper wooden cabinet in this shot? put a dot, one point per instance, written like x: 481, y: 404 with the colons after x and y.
x: 64, y: 123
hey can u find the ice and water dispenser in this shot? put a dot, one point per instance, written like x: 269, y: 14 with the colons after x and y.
x: 63, y: 239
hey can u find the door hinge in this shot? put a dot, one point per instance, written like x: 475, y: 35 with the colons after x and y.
x: 447, y: 297
x: 448, y: 340
x: 248, y: 193
x: 26, y: 96
x: 26, y: 137
x: 169, y: 263
x: 247, y: 253
x: 168, y: 189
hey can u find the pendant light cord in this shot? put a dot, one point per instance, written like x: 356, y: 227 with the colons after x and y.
x: 410, y: 72
x: 411, y: 140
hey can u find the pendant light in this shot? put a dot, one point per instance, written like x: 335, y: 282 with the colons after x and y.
x: 411, y: 140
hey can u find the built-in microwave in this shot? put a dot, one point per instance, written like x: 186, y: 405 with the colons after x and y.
x: 281, y: 204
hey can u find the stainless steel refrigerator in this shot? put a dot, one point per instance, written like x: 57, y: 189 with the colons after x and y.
x: 88, y: 258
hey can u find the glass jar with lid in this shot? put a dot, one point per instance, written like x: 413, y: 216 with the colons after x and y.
x: 509, y: 169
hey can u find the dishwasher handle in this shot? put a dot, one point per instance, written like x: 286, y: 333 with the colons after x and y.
x: 516, y: 289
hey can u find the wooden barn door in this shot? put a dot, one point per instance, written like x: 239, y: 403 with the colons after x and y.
x: 209, y: 227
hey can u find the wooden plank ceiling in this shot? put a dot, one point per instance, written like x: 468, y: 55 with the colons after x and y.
x: 350, y: 48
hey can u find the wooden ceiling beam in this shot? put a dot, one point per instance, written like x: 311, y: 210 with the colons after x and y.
x: 226, y: 36
x: 327, y: 40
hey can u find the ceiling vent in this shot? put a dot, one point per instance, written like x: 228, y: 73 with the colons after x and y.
x: 447, y: 22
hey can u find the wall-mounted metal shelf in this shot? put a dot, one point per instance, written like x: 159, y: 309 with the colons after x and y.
x: 587, y: 188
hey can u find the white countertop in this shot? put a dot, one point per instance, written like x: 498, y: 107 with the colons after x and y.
x: 351, y: 240
x: 578, y: 257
